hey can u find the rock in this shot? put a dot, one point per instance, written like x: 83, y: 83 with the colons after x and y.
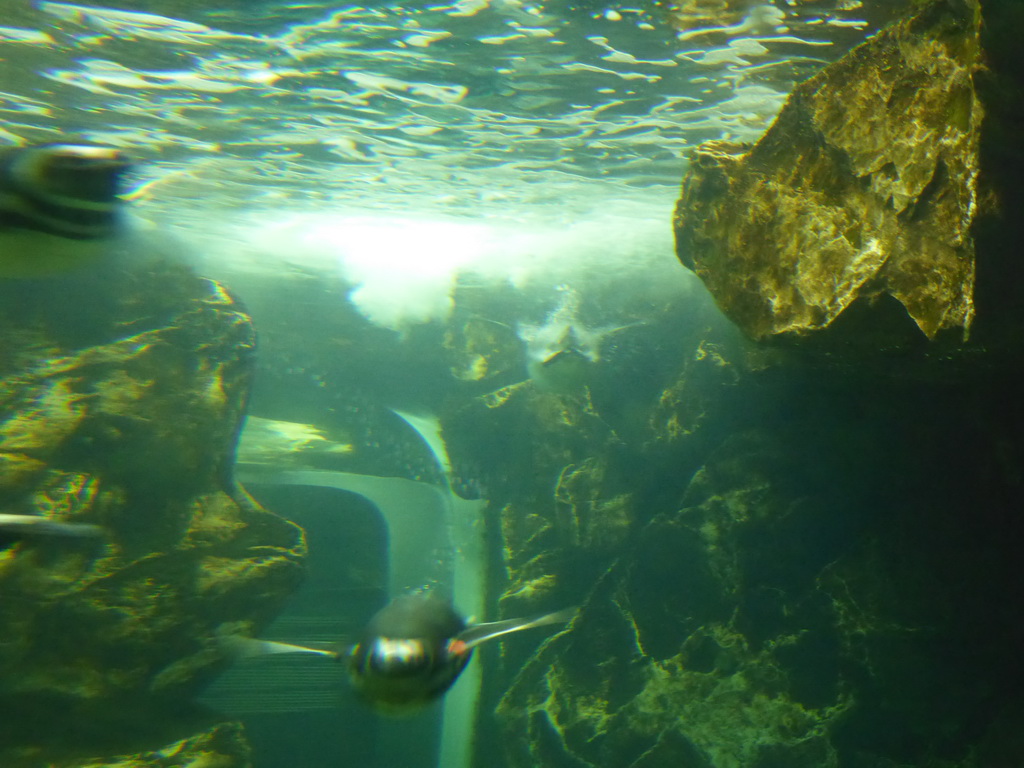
x: 862, y: 194
x: 121, y: 397
x: 481, y: 350
x: 553, y: 525
x: 222, y: 746
x: 660, y: 665
x: 838, y: 585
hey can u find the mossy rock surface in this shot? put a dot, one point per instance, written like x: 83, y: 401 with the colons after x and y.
x: 860, y: 199
x: 121, y: 397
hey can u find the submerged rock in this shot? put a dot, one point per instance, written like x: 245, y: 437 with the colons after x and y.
x: 662, y: 667
x: 121, y: 397
x: 821, y: 597
x: 864, y: 191
x: 222, y: 746
x: 836, y: 582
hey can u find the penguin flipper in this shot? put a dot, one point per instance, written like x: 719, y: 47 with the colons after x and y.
x: 241, y: 647
x: 476, y: 634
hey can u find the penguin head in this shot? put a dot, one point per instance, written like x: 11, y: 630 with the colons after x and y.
x: 67, y: 190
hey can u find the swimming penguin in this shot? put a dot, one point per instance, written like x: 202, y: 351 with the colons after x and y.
x: 415, y: 648
x: 410, y: 653
x: 59, y: 206
x: 566, y: 371
x: 561, y: 353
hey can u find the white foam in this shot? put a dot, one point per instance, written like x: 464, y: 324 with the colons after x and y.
x: 403, y: 270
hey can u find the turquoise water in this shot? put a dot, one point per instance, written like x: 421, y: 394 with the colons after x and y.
x: 410, y: 199
x: 499, y: 141
x: 463, y: 106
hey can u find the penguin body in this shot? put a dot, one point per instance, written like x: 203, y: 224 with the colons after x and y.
x: 59, y: 207
x: 406, y: 656
x: 414, y: 649
x: 409, y: 654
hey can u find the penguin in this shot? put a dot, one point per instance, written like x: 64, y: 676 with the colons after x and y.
x: 59, y: 206
x: 414, y: 649
x: 565, y: 372
x: 562, y: 352
x: 410, y: 652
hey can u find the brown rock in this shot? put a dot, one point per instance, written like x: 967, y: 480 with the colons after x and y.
x: 121, y: 396
x: 865, y: 187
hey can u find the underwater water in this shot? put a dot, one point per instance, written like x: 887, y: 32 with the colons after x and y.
x: 479, y: 368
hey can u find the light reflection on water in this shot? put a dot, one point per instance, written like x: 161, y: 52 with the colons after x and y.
x: 446, y: 107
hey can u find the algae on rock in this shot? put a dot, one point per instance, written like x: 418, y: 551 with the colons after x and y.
x: 866, y: 187
x: 121, y: 397
x: 838, y: 583
x: 661, y: 665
